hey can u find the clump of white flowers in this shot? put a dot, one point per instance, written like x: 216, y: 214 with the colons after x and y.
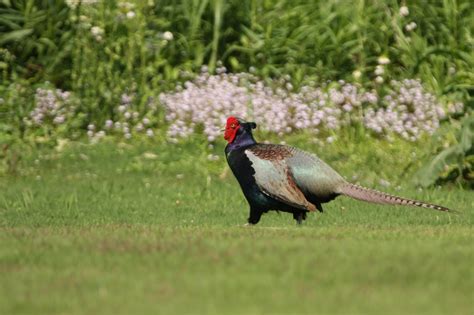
x: 380, y: 69
x: 97, y: 32
x: 357, y: 74
x: 168, y: 36
x: 206, y: 102
x: 410, y: 26
x: 127, y: 121
x: 51, y: 106
x: 127, y: 10
x: 404, y: 11
x: 383, y: 60
x: 408, y: 111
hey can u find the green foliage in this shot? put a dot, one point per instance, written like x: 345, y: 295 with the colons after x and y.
x: 455, y: 163
x: 37, y: 37
x: 110, y: 57
x: 331, y: 39
x: 309, y: 40
x: 15, y: 103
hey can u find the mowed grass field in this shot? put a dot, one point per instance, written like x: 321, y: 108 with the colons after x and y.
x: 116, y: 229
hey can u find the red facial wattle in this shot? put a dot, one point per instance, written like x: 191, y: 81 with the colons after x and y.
x: 231, y: 128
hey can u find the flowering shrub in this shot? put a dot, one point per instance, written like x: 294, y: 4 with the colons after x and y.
x: 339, y: 105
x: 203, y: 105
x: 53, y: 110
x: 209, y: 99
x: 51, y: 106
x: 204, y: 102
x: 408, y: 109
x: 127, y: 121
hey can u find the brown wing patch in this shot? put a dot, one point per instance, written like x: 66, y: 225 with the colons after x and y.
x: 297, y: 192
x: 271, y: 152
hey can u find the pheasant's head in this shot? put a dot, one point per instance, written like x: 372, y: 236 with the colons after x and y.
x: 235, y: 126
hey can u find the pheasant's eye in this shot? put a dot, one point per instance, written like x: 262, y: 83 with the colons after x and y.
x: 232, y: 126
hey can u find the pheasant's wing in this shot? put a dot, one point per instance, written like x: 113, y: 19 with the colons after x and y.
x: 273, y: 175
x: 313, y: 176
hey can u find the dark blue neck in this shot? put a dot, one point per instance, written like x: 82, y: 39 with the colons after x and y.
x: 244, y: 138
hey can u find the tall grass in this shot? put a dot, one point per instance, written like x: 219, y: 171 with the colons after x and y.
x: 330, y: 39
x: 35, y: 39
x: 322, y: 39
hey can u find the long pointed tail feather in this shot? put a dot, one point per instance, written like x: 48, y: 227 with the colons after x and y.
x: 375, y: 196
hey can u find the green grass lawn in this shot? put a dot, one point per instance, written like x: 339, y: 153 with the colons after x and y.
x: 115, y: 229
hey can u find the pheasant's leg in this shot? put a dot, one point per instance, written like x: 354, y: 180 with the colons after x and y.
x: 299, y: 217
x: 254, y: 216
x: 319, y: 207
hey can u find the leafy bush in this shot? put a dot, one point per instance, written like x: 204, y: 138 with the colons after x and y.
x: 455, y: 163
x: 55, y: 114
x: 331, y: 39
x: 100, y: 48
x: 36, y: 39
